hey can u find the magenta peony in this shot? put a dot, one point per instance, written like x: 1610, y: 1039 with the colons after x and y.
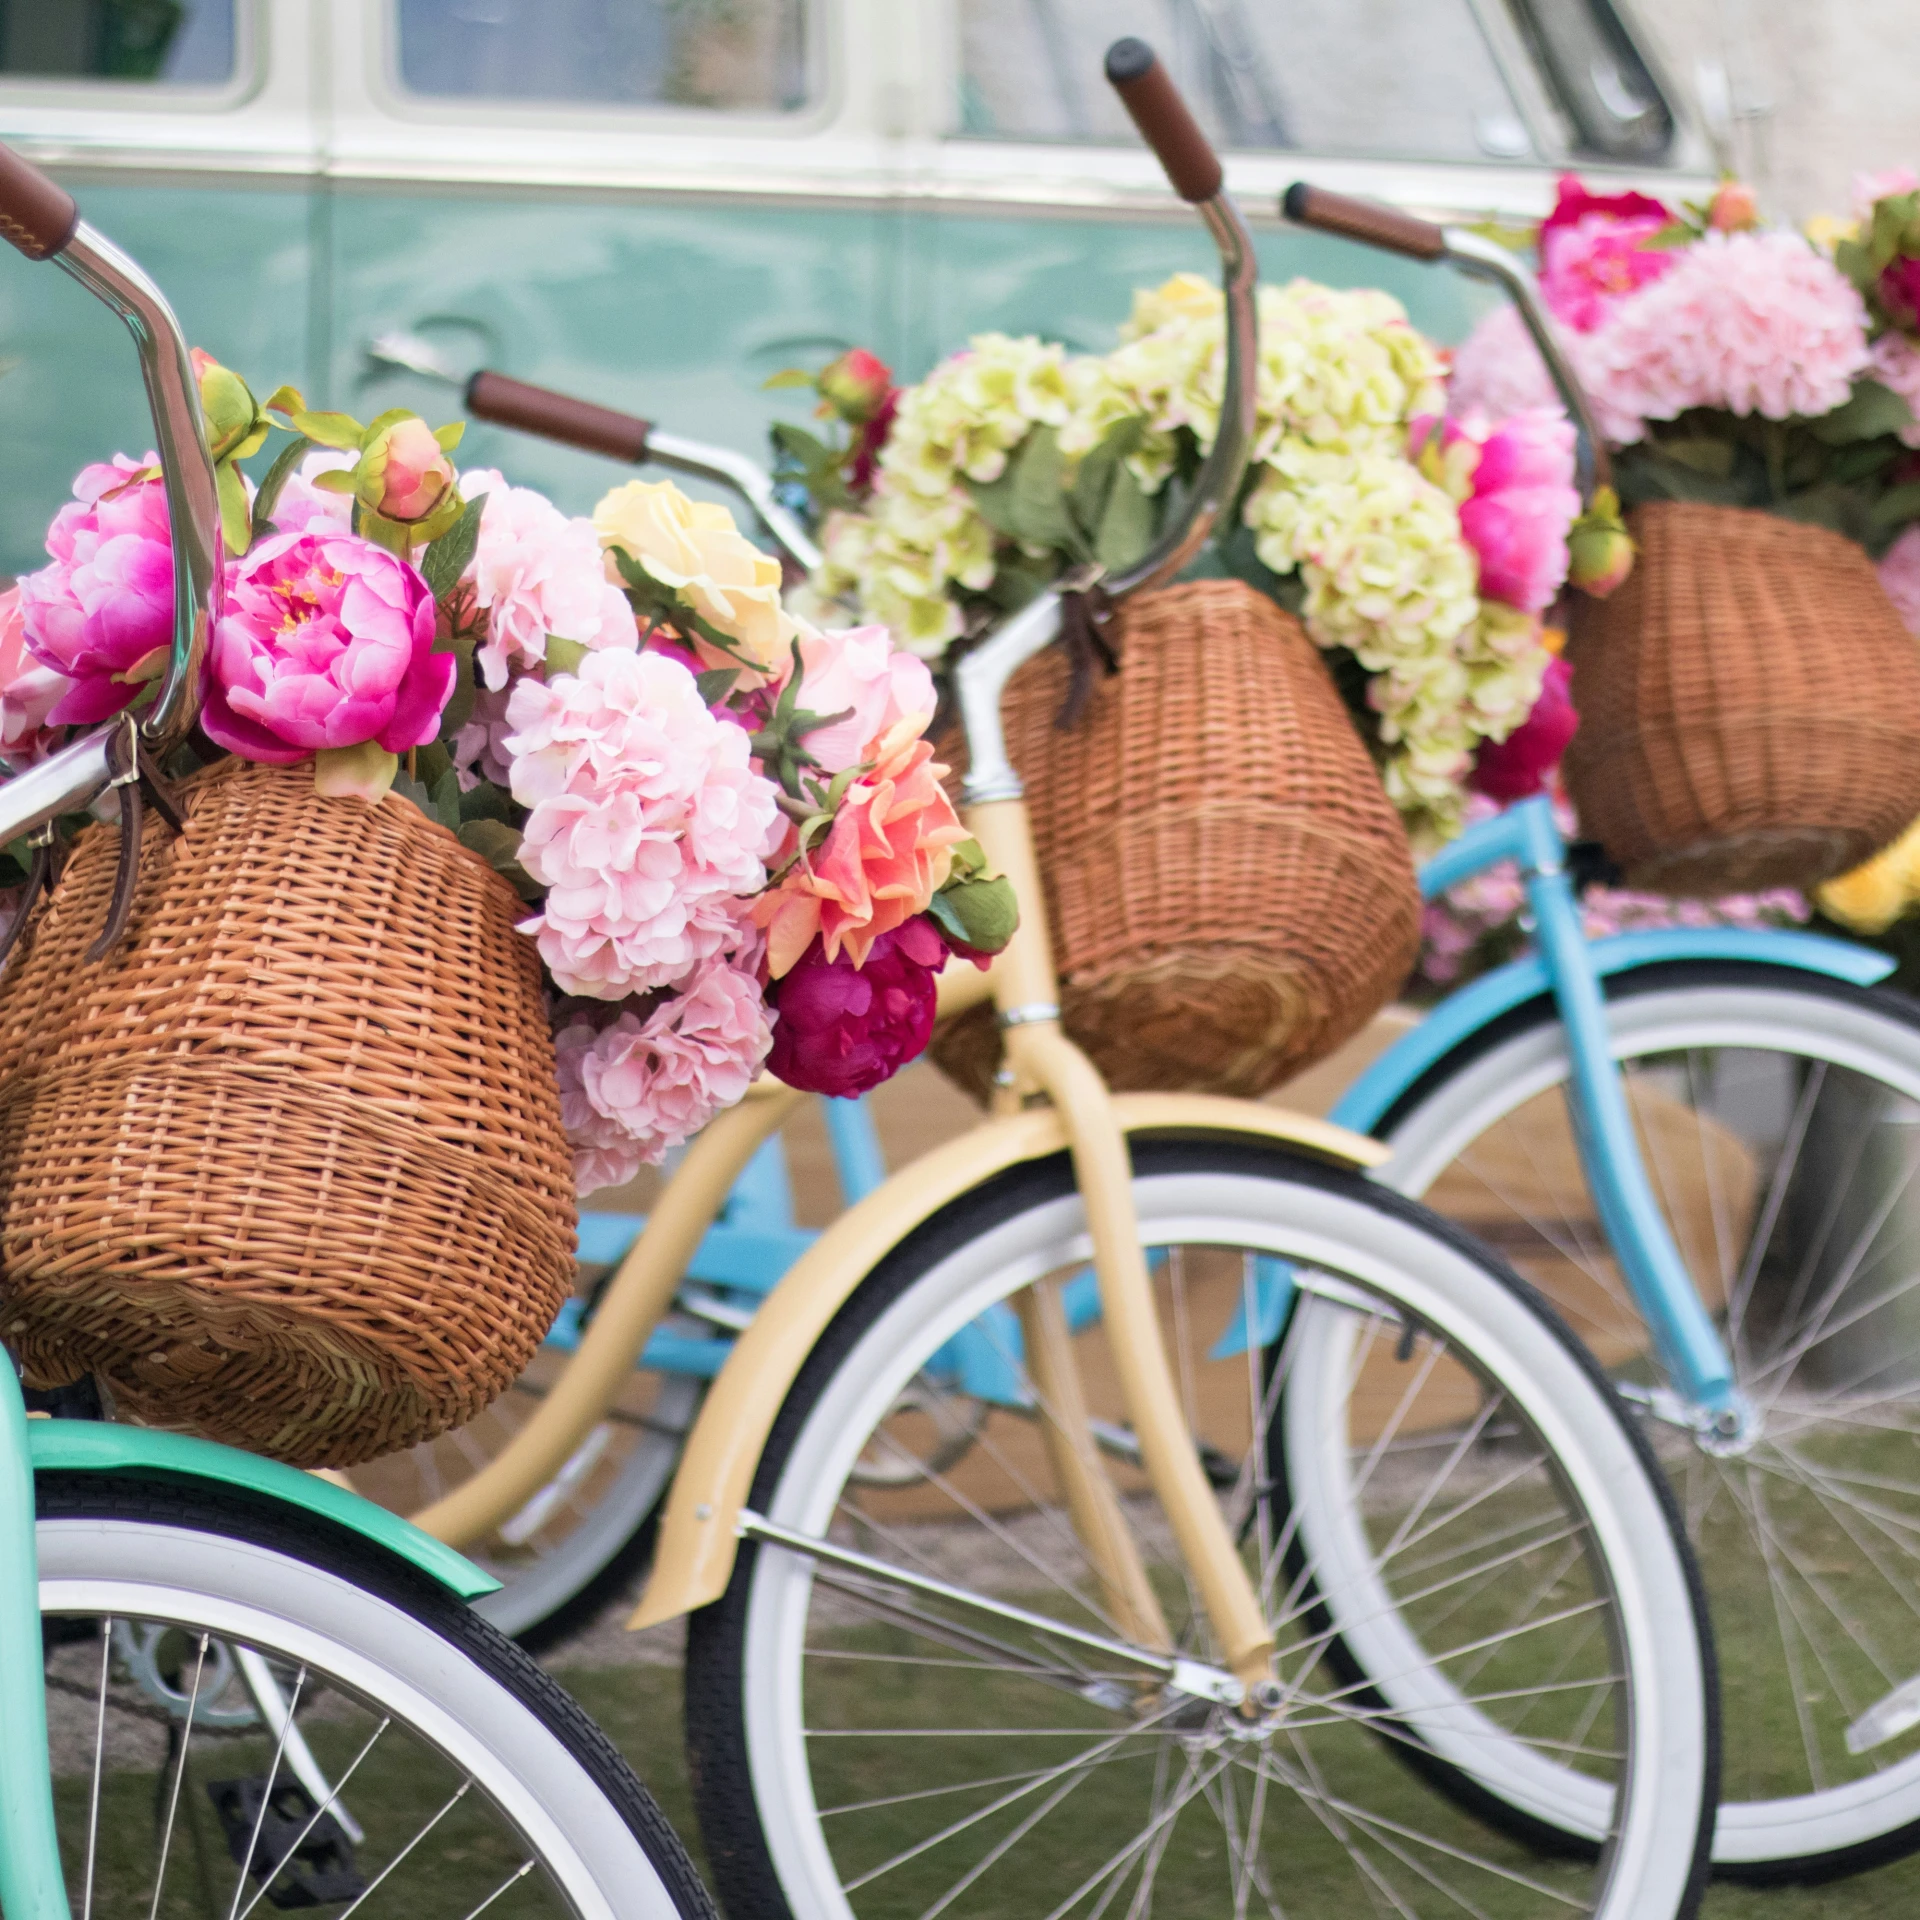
x: 1898, y: 290
x: 861, y: 674
x: 1900, y: 576
x: 1519, y: 765
x: 1594, y: 251
x: 536, y: 572
x: 647, y: 820
x: 102, y: 613
x: 29, y: 692
x: 631, y: 1090
x: 1752, y: 322
x: 840, y: 1030
x: 326, y: 642
x: 1522, y: 503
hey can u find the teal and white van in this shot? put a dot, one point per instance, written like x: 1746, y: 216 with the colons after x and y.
x: 657, y: 203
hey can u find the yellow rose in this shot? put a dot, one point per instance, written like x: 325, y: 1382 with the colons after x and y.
x: 693, y: 548
x: 1872, y: 897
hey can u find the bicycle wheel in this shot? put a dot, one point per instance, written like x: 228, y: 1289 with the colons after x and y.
x: 864, y: 1747
x: 232, y: 1684
x: 1780, y: 1112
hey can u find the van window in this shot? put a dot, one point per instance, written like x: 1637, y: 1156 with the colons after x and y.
x: 180, y: 43
x: 742, y: 56
x: 1393, y: 78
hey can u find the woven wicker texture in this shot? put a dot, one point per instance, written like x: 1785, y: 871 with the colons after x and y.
x: 1231, y: 892
x: 1749, y: 706
x: 287, y: 1169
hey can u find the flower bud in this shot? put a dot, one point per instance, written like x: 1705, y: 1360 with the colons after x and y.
x: 404, y: 474
x: 1600, y: 549
x: 1733, y: 209
x: 856, y: 384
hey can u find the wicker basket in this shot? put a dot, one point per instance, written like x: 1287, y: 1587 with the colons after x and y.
x: 1749, y: 706
x: 1230, y: 890
x: 287, y: 1168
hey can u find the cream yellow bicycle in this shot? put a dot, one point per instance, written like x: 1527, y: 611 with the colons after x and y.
x: 1075, y: 1642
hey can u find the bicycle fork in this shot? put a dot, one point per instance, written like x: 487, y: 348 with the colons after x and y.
x: 1688, y: 1343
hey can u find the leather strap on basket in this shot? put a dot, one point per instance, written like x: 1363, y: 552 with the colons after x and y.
x: 138, y: 780
x: 40, y: 878
x: 1084, y: 613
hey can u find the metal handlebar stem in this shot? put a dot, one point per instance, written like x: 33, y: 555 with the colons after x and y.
x: 745, y: 477
x: 1488, y: 260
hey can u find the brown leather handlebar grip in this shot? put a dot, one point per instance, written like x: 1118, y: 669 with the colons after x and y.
x: 1363, y: 220
x: 1149, y: 95
x: 36, y: 216
x: 557, y: 416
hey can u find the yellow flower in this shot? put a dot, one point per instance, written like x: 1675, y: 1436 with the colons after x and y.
x: 693, y: 548
x: 1872, y: 897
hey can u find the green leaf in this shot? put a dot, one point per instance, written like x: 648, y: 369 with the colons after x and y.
x: 1872, y: 411
x: 1896, y: 507
x: 236, y: 518
x: 459, y: 708
x: 449, y: 436
x: 564, y: 656
x: 1039, y: 506
x: 982, y: 913
x: 716, y: 683
x: 335, y: 479
x: 268, y: 497
x: 340, y: 430
x: 448, y: 557
x: 1126, y: 527
x: 435, y: 763
x: 1704, y: 454
x: 499, y: 846
x: 446, y: 799
x: 790, y: 377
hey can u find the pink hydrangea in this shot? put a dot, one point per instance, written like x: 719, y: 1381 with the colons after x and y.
x: 631, y: 1090
x: 646, y: 822
x: 1497, y: 371
x: 29, y: 692
x: 859, y: 672
x: 102, y: 613
x: 327, y: 641
x: 1900, y: 575
x: 480, y: 747
x: 1752, y: 322
x: 536, y: 572
x: 1896, y: 364
x: 1521, y: 503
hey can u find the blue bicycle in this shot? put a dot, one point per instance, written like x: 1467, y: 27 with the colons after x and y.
x: 1700, y: 1144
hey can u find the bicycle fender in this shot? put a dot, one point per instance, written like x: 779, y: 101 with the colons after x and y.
x: 103, y: 1446
x: 699, y: 1535
x: 1463, y: 1014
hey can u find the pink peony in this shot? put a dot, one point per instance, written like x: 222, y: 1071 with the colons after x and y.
x: 1733, y: 208
x: 304, y: 508
x: 536, y: 572
x: 1523, y: 500
x: 102, y: 613
x: 643, y: 1084
x: 1589, y: 265
x: 327, y: 641
x: 29, y: 692
x: 1884, y: 185
x: 841, y: 1030
x: 1752, y: 322
x: 889, y: 850
x: 1900, y: 576
x: 859, y: 672
x: 647, y: 820
x: 1519, y: 765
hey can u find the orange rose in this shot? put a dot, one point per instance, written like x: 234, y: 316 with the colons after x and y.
x: 888, y: 852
